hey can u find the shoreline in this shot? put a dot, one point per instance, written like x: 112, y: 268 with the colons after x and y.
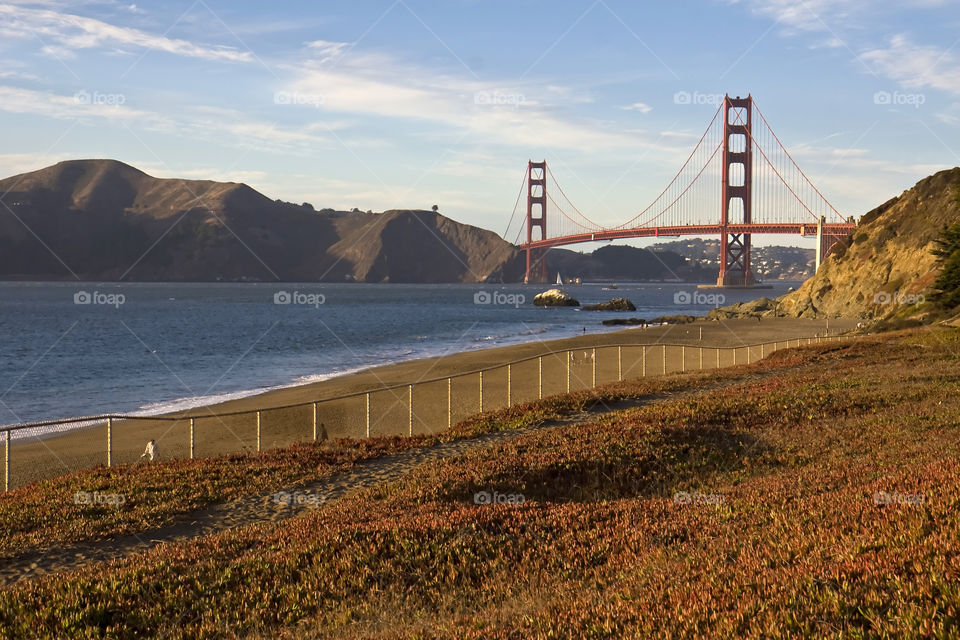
x: 85, y: 447
x: 715, y: 334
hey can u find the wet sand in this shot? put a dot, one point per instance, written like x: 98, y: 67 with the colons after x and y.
x: 597, y: 358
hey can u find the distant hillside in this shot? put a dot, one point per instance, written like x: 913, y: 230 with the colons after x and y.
x: 621, y: 263
x: 689, y: 260
x: 105, y: 220
x: 769, y: 262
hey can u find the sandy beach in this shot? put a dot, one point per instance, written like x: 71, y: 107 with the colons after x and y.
x: 596, y: 356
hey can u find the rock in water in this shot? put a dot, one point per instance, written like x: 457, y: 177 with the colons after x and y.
x: 617, y: 304
x: 615, y: 322
x: 555, y: 298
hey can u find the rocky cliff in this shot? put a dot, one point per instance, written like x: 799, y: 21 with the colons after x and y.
x: 885, y: 268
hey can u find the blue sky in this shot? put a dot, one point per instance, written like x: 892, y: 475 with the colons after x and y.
x: 407, y: 103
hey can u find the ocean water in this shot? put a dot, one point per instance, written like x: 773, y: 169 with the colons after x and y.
x: 73, y: 349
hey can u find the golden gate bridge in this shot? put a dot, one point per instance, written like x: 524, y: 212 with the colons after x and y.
x: 739, y: 180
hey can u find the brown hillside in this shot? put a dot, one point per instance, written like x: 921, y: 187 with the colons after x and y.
x: 885, y: 267
x: 888, y: 264
x: 105, y: 220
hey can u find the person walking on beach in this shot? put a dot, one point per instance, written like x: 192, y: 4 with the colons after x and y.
x: 151, y: 451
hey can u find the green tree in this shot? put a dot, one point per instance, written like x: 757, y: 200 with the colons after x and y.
x: 947, y: 284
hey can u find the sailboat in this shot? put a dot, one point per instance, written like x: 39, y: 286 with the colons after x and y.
x: 559, y: 280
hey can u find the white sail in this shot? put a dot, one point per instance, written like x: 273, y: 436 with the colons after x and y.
x: 559, y: 279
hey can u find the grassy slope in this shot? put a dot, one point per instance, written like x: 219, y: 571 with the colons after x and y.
x: 601, y: 548
x: 43, y: 514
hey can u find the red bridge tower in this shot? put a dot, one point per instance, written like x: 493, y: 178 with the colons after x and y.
x: 737, y: 191
x: 536, y: 203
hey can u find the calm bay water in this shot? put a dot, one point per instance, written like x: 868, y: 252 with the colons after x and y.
x: 149, y: 348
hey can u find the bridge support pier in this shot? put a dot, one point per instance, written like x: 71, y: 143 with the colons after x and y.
x: 735, y: 268
x: 826, y: 241
x: 536, y: 271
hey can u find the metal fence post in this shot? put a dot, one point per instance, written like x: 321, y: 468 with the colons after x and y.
x: 749, y: 355
x: 109, y: 442
x: 683, y: 358
x: 410, y: 410
x: 643, y: 361
x: 6, y: 462
x: 509, y: 385
x: 619, y: 364
x: 193, y: 439
x: 481, y: 392
x: 594, y: 358
x: 540, y: 377
x: 700, y: 349
x: 568, y: 371
x: 368, y: 412
x: 734, y: 356
x: 664, y: 359
x: 314, y: 421
x: 449, y: 402
x: 258, y: 430
x: 762, y: 356
x: 718, y: 357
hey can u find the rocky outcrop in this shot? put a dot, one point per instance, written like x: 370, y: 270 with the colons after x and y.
x: 555, y: 298
x: 761, y: 307
x: 617, y: 304
x: 884, y: 269
x: 628, y: 322
x: 888, y: 264
x: 656, y: 321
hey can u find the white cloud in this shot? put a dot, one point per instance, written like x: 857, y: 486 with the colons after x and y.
x: 951, y: 115
x: 225, y: 126
x: 17, y: 163
x: 527, y: 115
x: 638, y: 106
x: 16, y: 75
x: 916, y: 66
x: 827, y: 15
x: 69, y: 33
